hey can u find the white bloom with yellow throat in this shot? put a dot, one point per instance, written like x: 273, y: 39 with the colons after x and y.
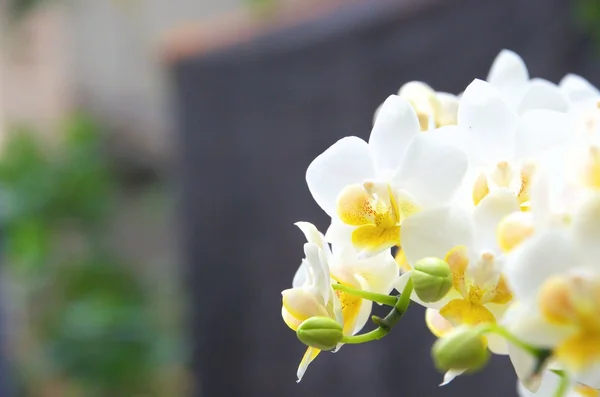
x: 468, y: 244
x: 556, y: 277
x: 313, y: 296
x: 433, y: 109
x: 503, y: 146
x: 369, y: 189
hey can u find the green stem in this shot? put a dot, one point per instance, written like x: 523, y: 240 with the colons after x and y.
x: 499, y: 330
x: 385, y: 325
x: 379, y: 298
x: 541, y: 355
x: 563, y: 386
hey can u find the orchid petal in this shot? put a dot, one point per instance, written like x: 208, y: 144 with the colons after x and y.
x: 490, y: 124
x: 538, y: 258
x: 432, y: 233
x: 576, y: 88
x: 509, y: 75
x: 395, y: 127
x: 542, y: 94
x: 345, y: 163
x: 432, y: 171
x: 488, y: 214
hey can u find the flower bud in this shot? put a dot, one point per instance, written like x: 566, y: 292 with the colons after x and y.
x: 432, y: 279
x: 323, y: 333
x: 463, y: 348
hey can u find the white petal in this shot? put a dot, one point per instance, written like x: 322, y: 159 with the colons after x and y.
x: 311, y: 233
x: 540, y: 130
x: 302, y: 276
x: 345, y: 163
x: 339, y: 234
x: 542, y: 94
x: 432, y: 233
x: 431, y: 171
x: 450, y: 375
x: 578, y: 89
x: 320, y: 269
x: 490, y: 124
x: 547, y: 387
x: 538, y: 258
x: 452, y: 135
x: 379, y: 272
x: 526, y: 322
x: 591, y: 377
x: 497, y: 344
x: 309, y: 356
x: 586, y: 230
x: 395, y: 127
x: 524, y: 365
x: 509, y: 74
x: 488, y: 214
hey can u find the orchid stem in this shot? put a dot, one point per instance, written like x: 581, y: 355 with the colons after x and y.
x: 563, y: 386
x: 541, y: 355
x: 385, y: 325
x: 496, y: 329
x: 379, y: 298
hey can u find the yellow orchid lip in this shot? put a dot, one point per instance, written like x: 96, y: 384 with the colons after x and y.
x: 574, y: 301
x: 375, y: 213
x: 477, y: 289
x: 503, y: 175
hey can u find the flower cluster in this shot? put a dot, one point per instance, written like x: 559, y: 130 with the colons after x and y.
x: 484, y: 208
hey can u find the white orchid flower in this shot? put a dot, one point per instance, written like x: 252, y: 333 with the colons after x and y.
x: 503, y: 146
x: 433, y: 109
x: 369, y: 189
x: 312, y: 294
x: 468, y: 244
x: 556, y: 277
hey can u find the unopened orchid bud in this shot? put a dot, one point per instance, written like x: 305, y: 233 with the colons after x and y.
x: 463, y: 348
x: 432, y: 279
x: 323, y: 333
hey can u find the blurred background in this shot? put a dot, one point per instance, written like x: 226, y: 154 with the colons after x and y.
x: 152, y: 159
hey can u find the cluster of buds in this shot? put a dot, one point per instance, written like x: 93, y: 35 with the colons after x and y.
x: 483, y: 207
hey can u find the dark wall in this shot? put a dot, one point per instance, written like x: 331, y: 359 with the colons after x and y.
x: 252, y: 117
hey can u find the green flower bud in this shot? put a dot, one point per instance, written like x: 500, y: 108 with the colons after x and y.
x: 432, y: 279
x: 323, y: 333
x: 461, y: 349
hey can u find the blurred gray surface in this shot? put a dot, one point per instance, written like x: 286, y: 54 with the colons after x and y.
x: 254, y: 116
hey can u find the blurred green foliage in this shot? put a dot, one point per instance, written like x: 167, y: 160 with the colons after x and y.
x: 588, y: 14
x: 88, y: 313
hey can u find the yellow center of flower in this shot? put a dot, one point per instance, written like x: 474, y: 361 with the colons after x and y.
x: 574, y: 301
x: 478, y: 285
x: 503, y: 175
x: 514, y: 229
x: 350, y: 309
x: 376, y: 213
x: 424, y: 102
